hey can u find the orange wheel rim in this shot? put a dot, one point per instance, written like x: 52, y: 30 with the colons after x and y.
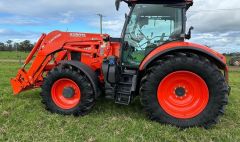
x: 65, y: 93
x: 183, y: 94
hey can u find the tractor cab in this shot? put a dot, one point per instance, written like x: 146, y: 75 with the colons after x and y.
x: 151, y: 24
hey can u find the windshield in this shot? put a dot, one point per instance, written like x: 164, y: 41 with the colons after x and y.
x: 151, y: 25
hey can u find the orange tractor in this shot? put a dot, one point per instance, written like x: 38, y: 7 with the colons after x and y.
x: 179, y: 83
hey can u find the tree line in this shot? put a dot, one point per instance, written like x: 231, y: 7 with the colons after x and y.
x: 9, y: 45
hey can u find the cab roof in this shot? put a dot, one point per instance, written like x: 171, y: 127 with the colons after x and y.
x: 187, y: 2
x: 158, y: 1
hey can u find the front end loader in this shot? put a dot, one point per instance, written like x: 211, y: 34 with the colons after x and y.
x: 179, y: 83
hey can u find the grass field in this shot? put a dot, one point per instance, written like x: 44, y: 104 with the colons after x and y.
x: 23, y: 118
x: 7, y: 55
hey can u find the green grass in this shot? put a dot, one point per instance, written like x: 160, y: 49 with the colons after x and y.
x: 7, y: 55
x: 23, y: 118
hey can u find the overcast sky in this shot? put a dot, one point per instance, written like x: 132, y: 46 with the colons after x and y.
x: 216, y: 23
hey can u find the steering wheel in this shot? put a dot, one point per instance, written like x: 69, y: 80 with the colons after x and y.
x: 133, y: 37
x: 143, y: 35
x: 162, y: 38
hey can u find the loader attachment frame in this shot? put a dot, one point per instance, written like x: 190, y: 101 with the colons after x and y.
x: 50, y: 50
x: 24, y: 80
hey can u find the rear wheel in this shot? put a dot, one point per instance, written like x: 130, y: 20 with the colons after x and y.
x: 67, y: 91
x: 184, y: 90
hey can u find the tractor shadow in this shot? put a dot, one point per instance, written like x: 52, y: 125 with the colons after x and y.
x: 134, y: 110
x: 103, y: 106
x: 31, y: 95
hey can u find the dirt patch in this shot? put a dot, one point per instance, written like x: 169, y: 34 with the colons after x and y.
x: 9, y: 60
x: 234, y: 68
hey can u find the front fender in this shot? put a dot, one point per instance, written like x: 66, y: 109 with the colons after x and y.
x: 88, y: 72
x: 168, y: 48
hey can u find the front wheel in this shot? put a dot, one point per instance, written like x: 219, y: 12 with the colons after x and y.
x: 184, y: 90
x: 67, y: 91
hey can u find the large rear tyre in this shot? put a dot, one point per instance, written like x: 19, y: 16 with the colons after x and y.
x: 184, y: 90
x: 67, y: 91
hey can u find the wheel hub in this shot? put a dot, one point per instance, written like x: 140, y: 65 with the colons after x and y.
x: 68, y: 92
x: 183, y: 94
x: 180, y: 92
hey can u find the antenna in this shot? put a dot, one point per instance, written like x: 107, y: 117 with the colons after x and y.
x: 101, y: 22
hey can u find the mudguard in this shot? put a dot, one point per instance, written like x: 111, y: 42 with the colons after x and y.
x: 218, y: 58
x: 88, y: 72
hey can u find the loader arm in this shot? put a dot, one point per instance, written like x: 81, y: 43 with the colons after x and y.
x: 49, y: 51
x: 31, y: 78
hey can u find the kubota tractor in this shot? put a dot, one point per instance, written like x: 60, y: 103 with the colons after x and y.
x: 179, y: 83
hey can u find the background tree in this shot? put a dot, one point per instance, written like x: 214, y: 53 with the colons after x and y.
x: 16, y: 46
x: 2, y: 46
x: 25, y: 46
x: 9, y: 45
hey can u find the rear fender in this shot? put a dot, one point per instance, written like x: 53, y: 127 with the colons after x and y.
x: 169, y: 48
x: 219, y: 59
x: 88, y: 72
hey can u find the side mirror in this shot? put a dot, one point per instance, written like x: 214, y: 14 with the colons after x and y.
x: 117, y: 4
x: 189, y: 34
